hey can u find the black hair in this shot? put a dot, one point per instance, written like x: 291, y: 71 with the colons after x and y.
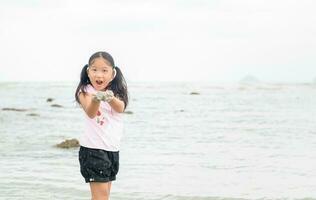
x: 117, y: 85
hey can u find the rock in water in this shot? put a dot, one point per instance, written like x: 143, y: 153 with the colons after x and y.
x: 56, y: 105
x: 33, y: 114
x: 49, y: 99
x: 194, y: 93
x: 69, y: 143
x: 14, y: 109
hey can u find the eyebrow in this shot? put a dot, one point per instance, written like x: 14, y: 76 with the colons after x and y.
x: 105, y: 67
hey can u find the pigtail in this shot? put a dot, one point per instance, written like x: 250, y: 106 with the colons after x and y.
x: 84, y: 80
x: 119, y: 87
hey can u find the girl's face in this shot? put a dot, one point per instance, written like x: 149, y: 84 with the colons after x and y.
x: 100, y: 73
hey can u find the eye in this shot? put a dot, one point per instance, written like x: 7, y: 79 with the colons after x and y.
x: 105, y: 70
x: 94, y: 70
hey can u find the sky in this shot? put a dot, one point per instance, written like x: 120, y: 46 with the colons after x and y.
x: 166, y: 40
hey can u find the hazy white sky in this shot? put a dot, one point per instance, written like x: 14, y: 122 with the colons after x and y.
x: 186, y: 40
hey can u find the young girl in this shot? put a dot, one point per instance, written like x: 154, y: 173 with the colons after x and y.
x: 102, y: 94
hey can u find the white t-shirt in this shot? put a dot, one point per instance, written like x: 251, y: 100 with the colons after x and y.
x: 105, y: 130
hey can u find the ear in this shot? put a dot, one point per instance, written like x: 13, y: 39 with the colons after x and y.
x: 114, y: 71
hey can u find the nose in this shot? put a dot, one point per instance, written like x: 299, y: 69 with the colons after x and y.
x: 98, y: 74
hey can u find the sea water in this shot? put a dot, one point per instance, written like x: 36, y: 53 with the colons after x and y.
x: 228, y: 141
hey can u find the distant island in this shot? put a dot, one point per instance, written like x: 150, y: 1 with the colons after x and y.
x: 249, y: 79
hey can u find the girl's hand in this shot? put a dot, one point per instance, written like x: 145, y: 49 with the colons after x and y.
x: 107, y: 96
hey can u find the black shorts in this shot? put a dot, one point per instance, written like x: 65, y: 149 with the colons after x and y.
x: 98, y: 165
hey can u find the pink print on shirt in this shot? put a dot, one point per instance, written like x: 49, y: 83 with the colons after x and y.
x: 100, y: 118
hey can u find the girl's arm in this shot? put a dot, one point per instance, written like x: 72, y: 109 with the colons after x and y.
x: 89, y: 105
x: 117, y: 104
